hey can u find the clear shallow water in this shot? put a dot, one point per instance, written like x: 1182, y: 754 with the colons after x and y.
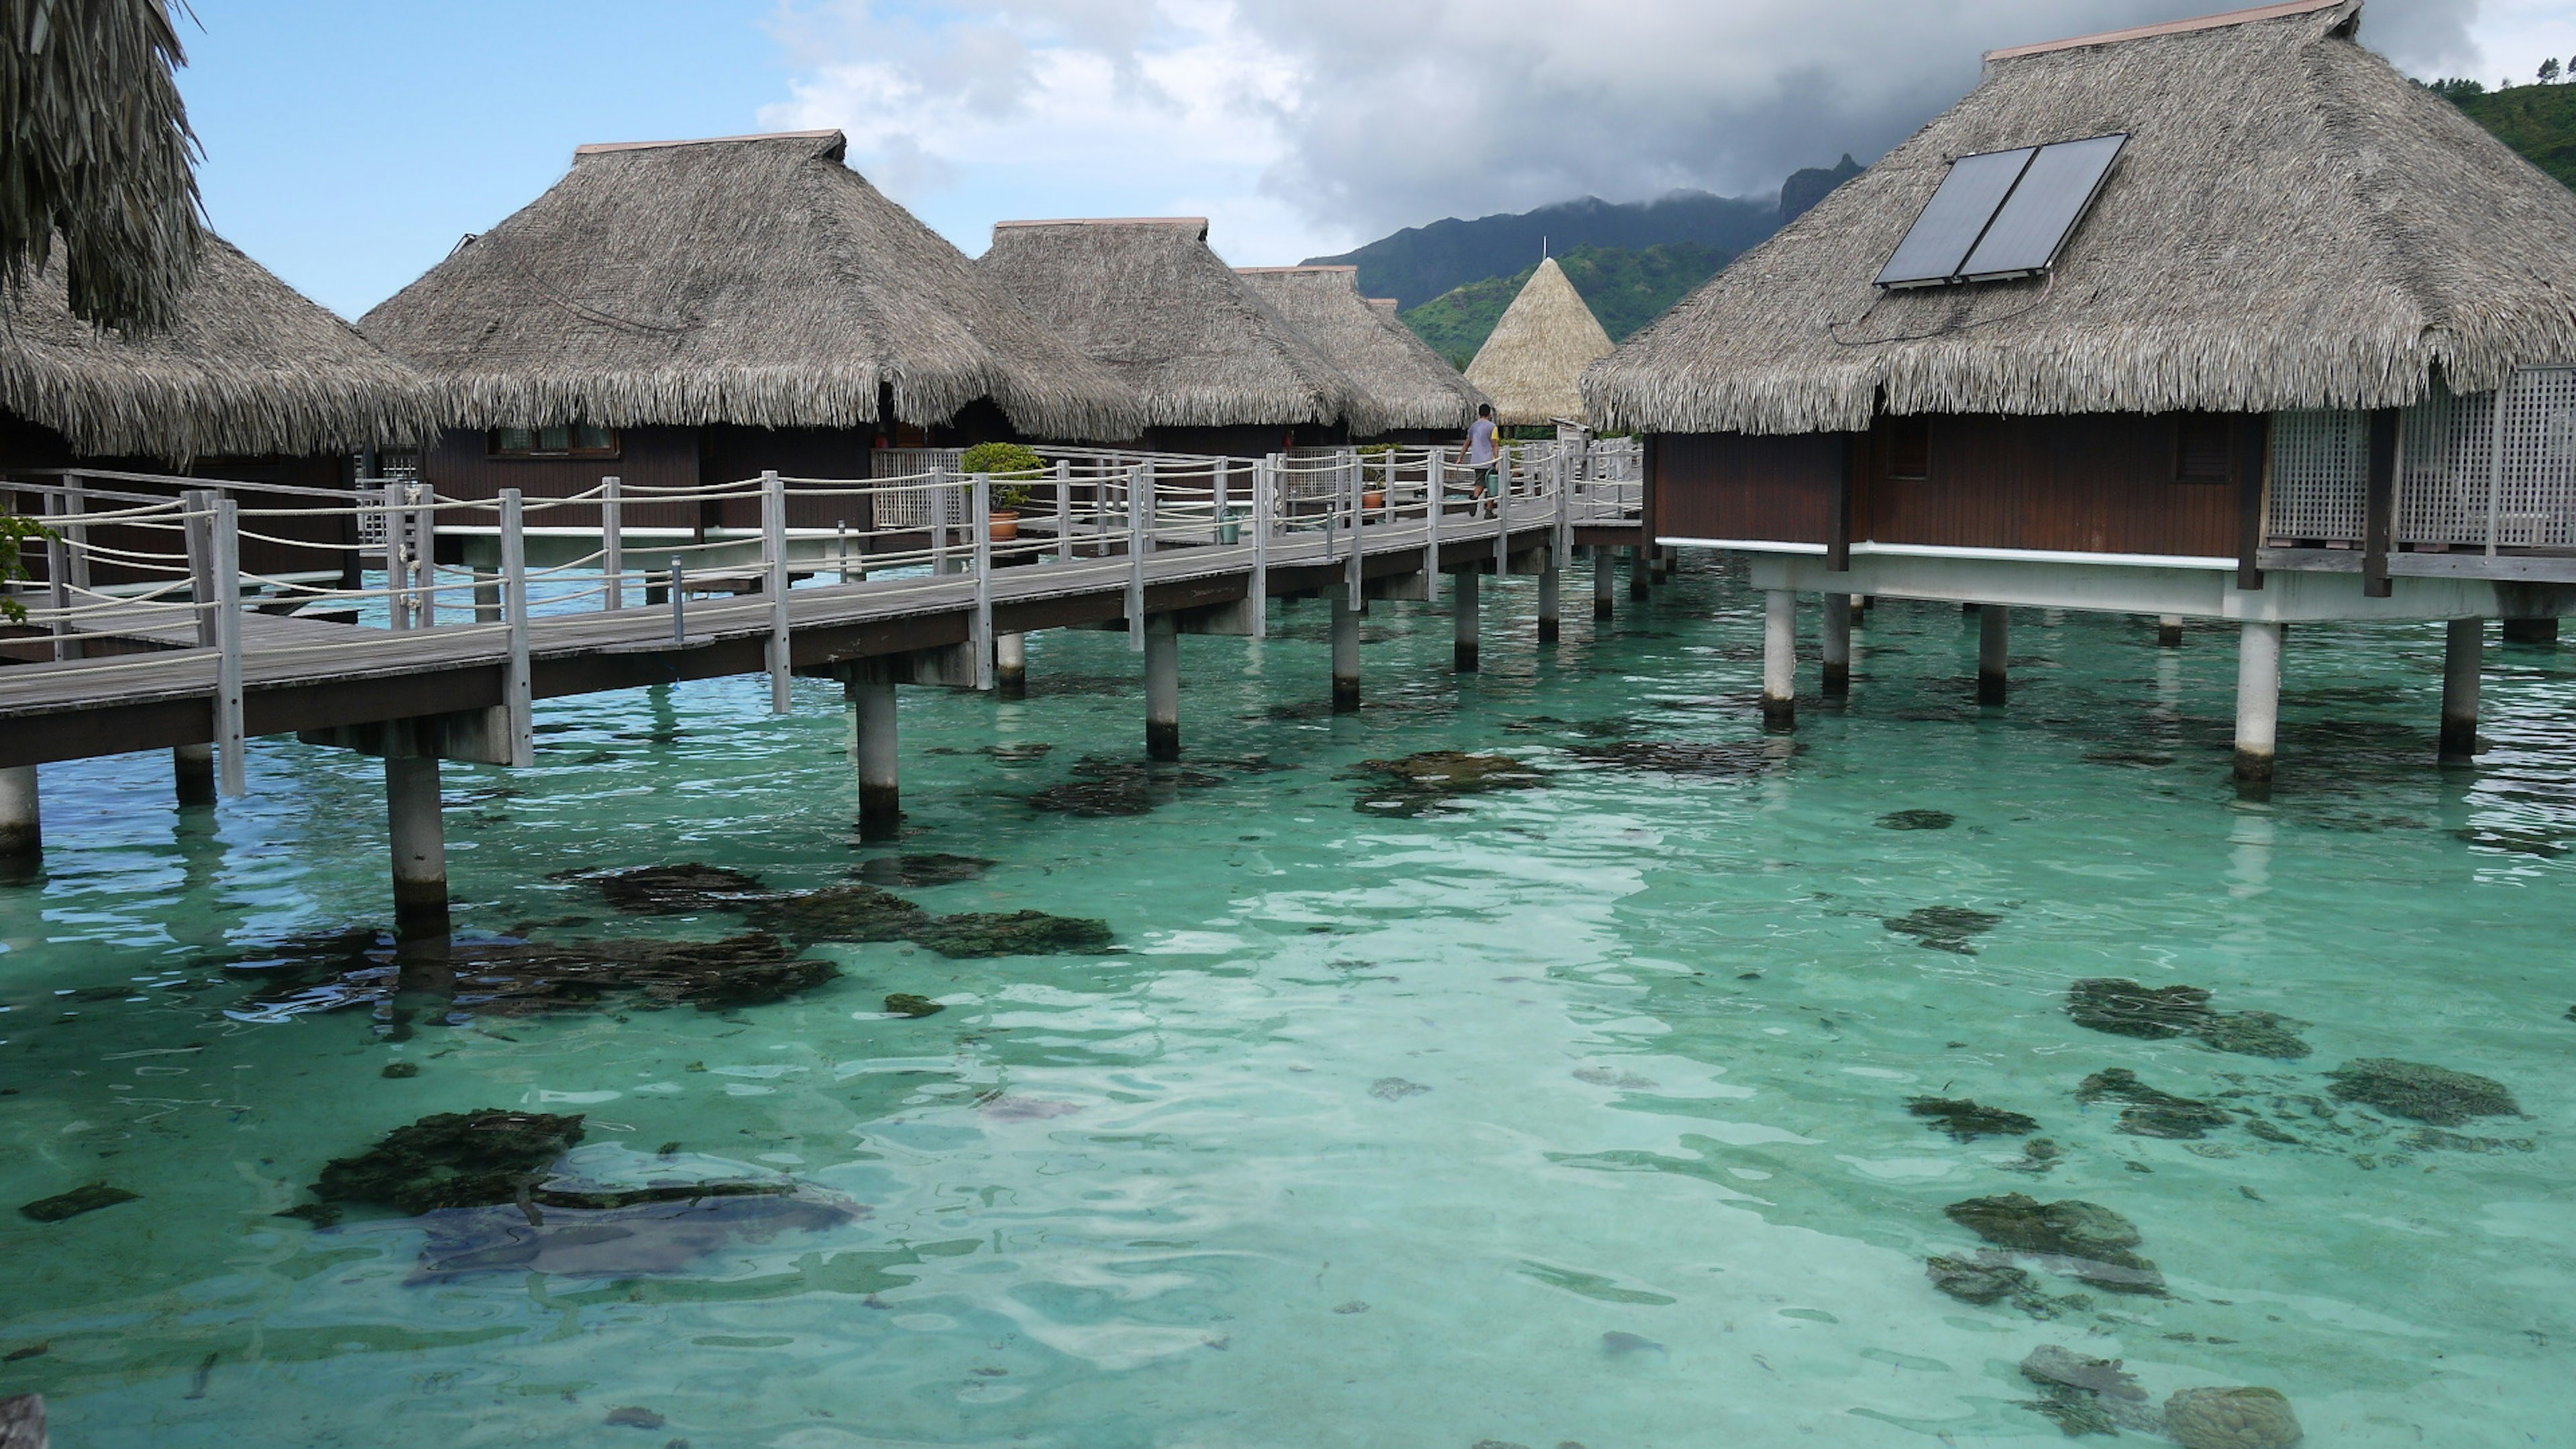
x: 1374, y: 1127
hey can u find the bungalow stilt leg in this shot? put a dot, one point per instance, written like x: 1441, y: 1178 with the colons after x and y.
x: 1605, y: 580
x: 2169, y: 631
x: 1640, y: 571
x: 1550, y: 615
x: 1346, y: 653
x: 2463, y: 659
x: 1462, y: 649
x: 1838, y: 627
x: 192, y: 773
x: 487, y: 597
x: 2258, y: 704
x: 1779, y: 660
x: 872, y: 701
x: 1994, y: 653
x: 1162, y: 688
x: 2543, y: 632
x: 419, y: 832
x: 1011, y: 665
x: 22, y: 822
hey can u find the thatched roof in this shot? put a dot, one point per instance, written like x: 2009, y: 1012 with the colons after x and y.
x: 1532, y: 365
x: 248, y: 367
x: 95, y: 157
x: 1412, y: 386
x: 752, y: 279
x: 2292, y: 224
x: 1148, y: 299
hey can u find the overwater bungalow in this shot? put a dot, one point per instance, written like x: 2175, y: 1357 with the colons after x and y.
x: 2222, y: 319
x: 1218, y: 369
x: 1419, y: 397
x: 1532, y: 364
x: 684, y: 312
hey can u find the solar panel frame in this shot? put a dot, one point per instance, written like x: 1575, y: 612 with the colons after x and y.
x: 1955, y: 219
x: 2030, y: 228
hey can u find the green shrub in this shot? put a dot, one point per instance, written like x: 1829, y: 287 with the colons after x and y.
x: 13, y: 532
x: 1015, y: 468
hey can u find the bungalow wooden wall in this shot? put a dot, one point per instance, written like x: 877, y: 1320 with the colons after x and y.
x: 1737, y: 486
x: 460, y: 465
x: 730, y: 454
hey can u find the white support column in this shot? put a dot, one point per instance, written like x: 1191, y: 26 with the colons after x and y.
x: 2258, y: 702
x: 1837, y: 645
x: 2169, y: 631
x: 412, y: 811
x: 22, y: 821
x: 1011, y: 665
x: 518, y: 685
x: 1994, y: 654
x: 1162, y: 688
x: 869, y: 686
x: 1779, y: 659
x: 1463, y: 612
x: 2463, y: 661
x: 1346, y: 657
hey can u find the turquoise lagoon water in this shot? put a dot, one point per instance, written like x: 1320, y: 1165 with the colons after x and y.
x: 1572, y: 1114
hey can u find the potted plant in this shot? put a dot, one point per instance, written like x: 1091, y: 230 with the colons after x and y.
x: 1015, y: 470
x: 1373, y: 498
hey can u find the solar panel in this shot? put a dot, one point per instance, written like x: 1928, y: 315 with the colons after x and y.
x: 1954, y: 219
x: 2058, y: 185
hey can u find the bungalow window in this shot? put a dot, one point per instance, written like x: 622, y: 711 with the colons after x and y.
x: 2201, y: 447
x: 567, y: 440
x: 1909, y: 448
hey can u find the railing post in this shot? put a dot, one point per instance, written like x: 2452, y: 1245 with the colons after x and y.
x: 980, y: 632
x: 939, y: 519
x: 1063, y: 509
x: 773, y: 582
x: 233, y: 772
x: 199, y: 506
x: 1218, y: 499
x: 76, y: 504
x: 397, y: 565
x: 1435, y: 487
x: 518, y: 696
x: 58, y: 576
x: 1354, y: 483
x: 679, y: 600
x: 2496, y: 423
x: 1561, y: 546
x: 1502, y: 510
x: 612, y: 543
x: 1263, y: 477
x: 1137, y: 535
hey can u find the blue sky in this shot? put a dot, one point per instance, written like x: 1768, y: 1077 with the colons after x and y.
x: 348, y: 146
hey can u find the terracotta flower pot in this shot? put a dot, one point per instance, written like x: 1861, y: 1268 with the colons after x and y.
x: 1005, y: 525
x: 1373, y: 499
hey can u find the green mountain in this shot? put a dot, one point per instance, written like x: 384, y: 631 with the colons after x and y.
x: 2538, y: 121
x: 1625, y: 289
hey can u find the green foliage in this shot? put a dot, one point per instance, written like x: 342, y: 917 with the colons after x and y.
x: 2538, y: 121
x: 1418, y: 264
x: 1015, y: 468
x: 14, y: 532
x: 1625, y: 289
x: 2455, y: 89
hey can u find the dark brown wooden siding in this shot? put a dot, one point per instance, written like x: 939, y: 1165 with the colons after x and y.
x: 1733, y: 485
x: 460, y: 466
x: 732, y: 454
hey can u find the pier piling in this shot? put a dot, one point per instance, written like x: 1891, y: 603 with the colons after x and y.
x: 1994, y: 654
x: 1011, y: 665
x: 2258, y: 704
x: 487, y: 597
x: 870, y: 690
x: 419, y: 831
x: 1605, y: 580
x: 2543, y: 632
x: 1640, y: 567
x: 22, y: 825
x: 1779, y: 660
x: 1550, y: 612
x: 1837, y: 645
x: 2463, y: 659
x: 2169, y: 631
x: 192, y: 774
x: 1462, y: 653
x: 1346, y: 653
x: 1162, y: 687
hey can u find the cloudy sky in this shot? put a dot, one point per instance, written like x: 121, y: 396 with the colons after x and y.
x: 349, y: 146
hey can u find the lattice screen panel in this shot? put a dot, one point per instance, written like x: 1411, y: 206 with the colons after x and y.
x: 2535, y: 480
x: 2442, y: 492
x: 2320, y: 469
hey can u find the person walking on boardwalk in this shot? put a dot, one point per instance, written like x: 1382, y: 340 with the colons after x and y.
x: 1478, y: 453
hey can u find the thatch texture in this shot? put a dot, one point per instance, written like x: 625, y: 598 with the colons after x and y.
x: 1411, y: 385
x: 1149, y: 300
x: 753, y: 280
x: 95, y: 157
x: 247, y: 367
x: 1532, y: 365
x: 2293, y: 224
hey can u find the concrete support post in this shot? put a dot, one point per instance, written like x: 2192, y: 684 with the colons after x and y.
x: 1346, y: 653
x: 22, y: 821
x: 2169, y: 631
x: 1011, y: 665
x: 1551, y: 615
x: 2543, y: 632
x: 1462, y: 652
x: 2258, y: 702
x: 1162, y: 687
x: 2463, y: 659
x: 1838, y: 627
x: 1663, y: 558
x: 1639, y: 567
x: 1605, y: 580
x: 419, y: 845
x: 487, y: 597
x: 872, y: 741
x: 192, y: 773
x: 1994, y: 654
x: 1779, y: 660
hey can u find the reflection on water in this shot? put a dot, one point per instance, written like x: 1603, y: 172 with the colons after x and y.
x: 1538, y: 1057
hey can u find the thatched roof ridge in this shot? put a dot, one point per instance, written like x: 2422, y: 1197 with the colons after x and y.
x: 2292, y: 224
x: 1532, y: 364
x: 752, y: 280
x: 247, y: 367
x: 1413, y: 386
x: 1148, y: 299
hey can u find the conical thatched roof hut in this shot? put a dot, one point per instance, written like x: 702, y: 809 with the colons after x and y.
x: 246, y: 367
x: 1199, y: 345
x: 1532, y: 365
x: 2290, y: 224
x: 1414, y: 388
x: 749, y: 280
